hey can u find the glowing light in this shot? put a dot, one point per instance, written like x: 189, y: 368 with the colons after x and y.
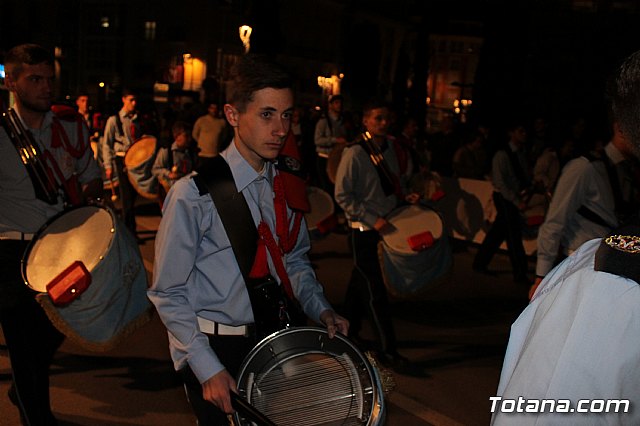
x: 245, y: 36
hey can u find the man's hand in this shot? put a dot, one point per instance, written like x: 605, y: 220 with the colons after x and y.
x: 216, y: 390
x: 534, y: 286
x: 383, y: 226
x: 334, y: 322
x: 108, y: 173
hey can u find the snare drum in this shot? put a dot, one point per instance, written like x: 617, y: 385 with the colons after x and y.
x: 138, y: 161
x: 321, y: 216
x: 300, y: 377
x: 115, y: 303
x: 416, y: 255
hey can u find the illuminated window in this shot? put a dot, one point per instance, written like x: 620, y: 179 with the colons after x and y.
x: 150, y: 30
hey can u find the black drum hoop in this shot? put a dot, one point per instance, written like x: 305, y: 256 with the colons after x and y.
x: 309, y: 360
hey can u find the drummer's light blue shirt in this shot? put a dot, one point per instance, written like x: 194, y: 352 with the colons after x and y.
x: 195, y: 272
x: 358, y: 190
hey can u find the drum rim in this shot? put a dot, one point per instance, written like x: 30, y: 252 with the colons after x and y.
x: 375, y: 415
x: 27, y: 252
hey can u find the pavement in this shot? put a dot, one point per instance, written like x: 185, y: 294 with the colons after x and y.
x: 456, y: 335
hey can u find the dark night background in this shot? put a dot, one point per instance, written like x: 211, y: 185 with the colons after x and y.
x: 547, y: 57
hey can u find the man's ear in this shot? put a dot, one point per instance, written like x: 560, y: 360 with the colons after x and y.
x: 9, y: 82
x: 232, y: 115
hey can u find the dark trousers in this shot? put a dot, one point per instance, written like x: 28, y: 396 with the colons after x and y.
x: 366, y: 293
x: 231, y: 351
x: 30, y: 337
x: 128, y: 195
x: 507, y: 226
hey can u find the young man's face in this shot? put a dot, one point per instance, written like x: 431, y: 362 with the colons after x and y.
x: 261, y: 129
x: 129, y: 103
x: 33, y: 87
x: 83, y: 103
x: 376, y: 121
x: 182, y: 139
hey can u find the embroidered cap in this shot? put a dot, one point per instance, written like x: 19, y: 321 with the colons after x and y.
x: 619, y: 253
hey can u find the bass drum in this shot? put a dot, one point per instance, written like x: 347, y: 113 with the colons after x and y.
x: 138, y: 161
x: 115, y: 303
x: 320, y: 218
x: 334, y: 161
x: 416, y: 255
x: 300, y: 377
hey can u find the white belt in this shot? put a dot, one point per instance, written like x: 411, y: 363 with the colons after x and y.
x: 15, y: 235
x: 360, y: 226
x: 211, y: 327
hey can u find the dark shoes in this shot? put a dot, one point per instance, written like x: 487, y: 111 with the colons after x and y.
x: 50, y: 420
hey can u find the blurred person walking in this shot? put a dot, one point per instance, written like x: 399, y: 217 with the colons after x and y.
x: 31, y: 338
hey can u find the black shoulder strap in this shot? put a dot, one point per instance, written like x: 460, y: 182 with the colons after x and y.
x: 217, y: 180
x: 377, y: 159
x: 119, y: 124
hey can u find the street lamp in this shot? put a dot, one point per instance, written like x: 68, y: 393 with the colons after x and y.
x: 245, y: 35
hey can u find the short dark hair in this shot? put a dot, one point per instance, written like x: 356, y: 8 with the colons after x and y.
x: 372, y: 104
x: 30, y: 54
x: 128, y: 91
x: 255, y: 72
x: 623, y: 95
x: 181, y: 126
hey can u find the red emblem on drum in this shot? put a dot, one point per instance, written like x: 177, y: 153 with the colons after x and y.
x: 420, y: 241
x: 69, y: 284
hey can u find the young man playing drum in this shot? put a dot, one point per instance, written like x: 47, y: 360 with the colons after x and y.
x: 30, y: 337
x: 199, y: 287
x: 368, y: 193
x: 120, y: 132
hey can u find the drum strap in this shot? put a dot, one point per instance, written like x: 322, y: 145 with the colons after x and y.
x: 217, y: 180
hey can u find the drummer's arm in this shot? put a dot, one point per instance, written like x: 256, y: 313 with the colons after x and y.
x: 107, y: 146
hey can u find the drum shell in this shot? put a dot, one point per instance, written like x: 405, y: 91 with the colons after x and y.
x: 408, y: 273
x: 285, y: 349
x: 138, y: 161
x: 320, y: 218
x: 115, y: 302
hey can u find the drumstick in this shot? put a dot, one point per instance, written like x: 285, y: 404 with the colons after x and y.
x: 248, y: 410
x: 114, y: 196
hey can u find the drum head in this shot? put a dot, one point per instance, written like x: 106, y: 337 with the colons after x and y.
x: 84, y: 234
x: 142, y: 150
x: 299, y: 376
x: 409, y: 221
x: 321, y: 207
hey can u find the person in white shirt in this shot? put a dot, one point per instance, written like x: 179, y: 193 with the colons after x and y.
x: 573, y: 355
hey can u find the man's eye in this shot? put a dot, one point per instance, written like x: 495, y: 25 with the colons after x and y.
x: 287, y: 115
x: 266, y: 114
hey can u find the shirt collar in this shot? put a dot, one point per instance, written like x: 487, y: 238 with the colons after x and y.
x: 613, y: 153
x: 131, y: 116
x: 243, y: 173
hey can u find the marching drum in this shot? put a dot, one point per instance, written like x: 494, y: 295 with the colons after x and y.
x: 300, y: 377
x: 114, y: 302
x: 139, y: 160
x: 321, y: 216
x: 416, y: 255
